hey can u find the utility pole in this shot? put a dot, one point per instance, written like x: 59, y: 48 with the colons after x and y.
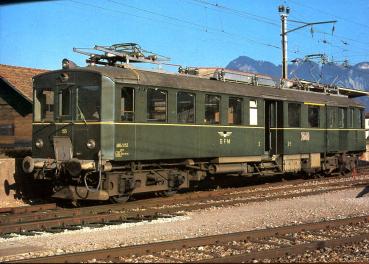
x: 284, y: 11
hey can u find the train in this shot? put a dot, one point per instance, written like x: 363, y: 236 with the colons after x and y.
x: 110, y: 130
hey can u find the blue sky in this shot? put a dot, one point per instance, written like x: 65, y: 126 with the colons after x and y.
x: 190, y: 32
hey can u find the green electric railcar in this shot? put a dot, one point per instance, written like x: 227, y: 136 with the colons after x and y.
x: 103, y: 132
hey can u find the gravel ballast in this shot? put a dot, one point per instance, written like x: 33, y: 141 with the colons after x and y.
x: 242, y: 217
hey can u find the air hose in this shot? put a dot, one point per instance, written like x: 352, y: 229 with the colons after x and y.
x: 100, y: 175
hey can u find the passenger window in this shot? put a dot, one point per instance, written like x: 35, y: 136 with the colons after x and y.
x: 156, y: 105
x: 341, y: 117
x: 253, y: 112
x: 362, y: 119
x: 127, y: 104
x: 331, y: 117
x: 294, y: 115
x: 235, y: 111
x: 351, y: 117
x: 212, y: 106
x: 185, y: 107
x: 313, y: 116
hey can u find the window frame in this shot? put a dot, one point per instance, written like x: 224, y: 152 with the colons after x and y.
x: 350, y: 117
x: 239, y: 112
x: 206, y: 104
x: 193, y: 96
x: 254, y: 121
x: 7, y: 130
x: 289, y: 115
x: 163, y: 91
x: 331, y: 117
x: 342, y: 117
x: 40, y: 103
x: 317, y: 124
x: 122, y: 111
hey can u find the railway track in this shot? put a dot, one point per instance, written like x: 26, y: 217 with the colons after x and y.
x: 32, y: 219
x: 249, y: 246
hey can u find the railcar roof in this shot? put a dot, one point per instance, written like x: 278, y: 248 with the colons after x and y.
x: 188, y: 82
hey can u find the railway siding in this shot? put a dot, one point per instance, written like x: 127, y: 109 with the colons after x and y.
x: 204, y: 221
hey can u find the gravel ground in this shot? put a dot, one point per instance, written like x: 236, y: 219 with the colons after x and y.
x: 242, y: 217
x: 358, y: 253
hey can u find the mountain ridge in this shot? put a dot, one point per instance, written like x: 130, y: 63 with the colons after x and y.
x: 356, y: 76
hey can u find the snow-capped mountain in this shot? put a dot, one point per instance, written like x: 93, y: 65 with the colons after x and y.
x: 356, y: 76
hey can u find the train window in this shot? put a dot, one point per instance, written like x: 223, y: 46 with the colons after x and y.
x: 127, y: 105
x: 212, y: 106
x: 294, y: 115
x: 46, y: 100
x: 65, y: 104
x: 313, y: 116
x: 156, y: 105
x: 341, y: 117
x: 350, y: 117
x: 88, y: 103
x: 331, y: 117
x: 362, y: 119
x: 235, y: 111
x: 253, y: 112
x: 185, y: 107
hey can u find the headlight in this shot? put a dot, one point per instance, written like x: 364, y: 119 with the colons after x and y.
x: 91, y: 144
x: 39, y: 143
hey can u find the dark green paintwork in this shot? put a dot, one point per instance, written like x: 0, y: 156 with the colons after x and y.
x: 141, y: 140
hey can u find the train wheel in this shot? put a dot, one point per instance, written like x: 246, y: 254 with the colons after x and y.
x: 119, y: 199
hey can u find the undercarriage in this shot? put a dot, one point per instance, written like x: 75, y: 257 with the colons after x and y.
x: 116, y: 181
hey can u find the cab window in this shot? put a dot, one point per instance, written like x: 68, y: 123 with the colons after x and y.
x: 44, y: 105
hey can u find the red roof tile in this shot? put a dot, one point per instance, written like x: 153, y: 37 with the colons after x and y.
x: 20, y: 78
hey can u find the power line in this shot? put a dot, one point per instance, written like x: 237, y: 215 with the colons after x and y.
x: 196, y: 24
x: 175, y: 21
x: 265, y: 19
x: 238, y: 12
x: 343, y: 37
x: 331, y: 14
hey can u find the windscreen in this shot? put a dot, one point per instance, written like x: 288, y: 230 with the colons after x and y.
x: 88, y: 103
x: 67, y: 96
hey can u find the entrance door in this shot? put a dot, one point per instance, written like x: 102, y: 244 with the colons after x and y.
x: 273, y: 123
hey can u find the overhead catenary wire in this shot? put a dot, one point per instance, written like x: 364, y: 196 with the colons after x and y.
x: 196, y: 24
x: 329, y: 13
x: 267, y: 20
x: 240, y: 13
x: 176, y: 21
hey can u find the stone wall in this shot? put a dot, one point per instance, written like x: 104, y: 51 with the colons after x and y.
x: 8, y: 187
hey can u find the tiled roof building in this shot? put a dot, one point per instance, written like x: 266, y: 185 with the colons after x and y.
x: 16, y: 105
